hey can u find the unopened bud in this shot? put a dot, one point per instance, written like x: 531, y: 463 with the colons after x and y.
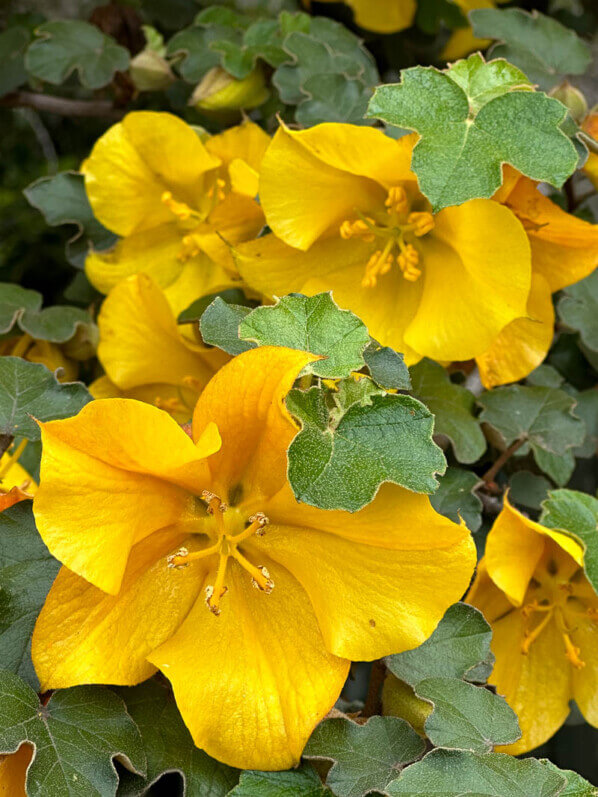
x: 219, y: 91
x: 149, y: 71
x: 571, y: 98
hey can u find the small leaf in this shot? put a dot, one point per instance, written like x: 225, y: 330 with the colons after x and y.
x: 528, y: 489
x: 62, y: 200
x: 23, y: 307
x: 168, y: 746
x: 539, y: 45
x: 455, y: 773
x: 13, y: 43
x: 387, y: 367
x: 30, y: 389
x: 576, y: 514
x: 578, y: 309
x: 315, y: 324
x: 366, y: 757
x: 453, y: 407
x: 343, y: 465
x: 76, y: 735
x: 197, y: 308
x: 459, y: 648
x: 455, y: 497
x: 71, y: 45
x: 576, y: 785
x: 467, y: 717
x: 219, y: 326
x: 27, y: 571
x: 471, y: 119
x: 302, y: 782
x: 586, y: 409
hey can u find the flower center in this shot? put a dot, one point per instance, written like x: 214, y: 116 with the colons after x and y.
x: 225, y: 547
x: 396, y: 230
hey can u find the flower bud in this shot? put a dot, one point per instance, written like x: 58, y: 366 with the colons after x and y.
x: 149, y: 71
x: 83, y: 344
x: 219, y: 91
x: 571, y: 98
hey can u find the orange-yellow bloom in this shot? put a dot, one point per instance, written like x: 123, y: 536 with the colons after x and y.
x: 41, y: 351
x: 193, y: 556
x: 146, y: 355
x: 15, y: 483
x: 532, y: 589
x: 177, y: 199
x: 347, y: 216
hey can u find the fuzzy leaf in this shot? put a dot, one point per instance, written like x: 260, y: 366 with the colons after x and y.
x: 30, y: 389
x: 578, y: 309
x: 387, y: 367
x: 76, y: 734
x: 27, y: 571
x: 22, y: 307
x: 453, y: 407
x: 65, y: 46
x: 366, y: 757
x: 576, y: 785
x: 472, y: 118
x: 219, y: 326
x: 13, y: 43
x: 315, y: 324
x: 528, y: 489
x: 455, y: 497
x: 302, y: 782
x: 197, y: 308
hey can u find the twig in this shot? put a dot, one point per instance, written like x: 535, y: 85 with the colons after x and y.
x: 490, y: 474
x: 43, y: 137
x: 61, y: 105
x: 372, y: 703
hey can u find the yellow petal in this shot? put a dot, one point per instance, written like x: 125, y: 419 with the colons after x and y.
x: 237, y: 218
x: 200, y: 276
x: 178, y: 402
x: 245, y: 400
x: 13, y: 771
x: 523, y: 344
x: 585, y: 680
x: 564, y: 248
x: 138, y: 159
x: 312, y: 180
x: 382, y: 16
x: 14, y: 496
x: 481, y: 259
x: 53, y: 358
x: 85, y: 636
x: 262, y: 680
x: 140, y: 343
x: 461, y: 43
x: 111, y: 476
x: 591, y: 168
x: 15, y: 475
x: 372, y: 601
x: 246, y: 142
x: 243, y: 179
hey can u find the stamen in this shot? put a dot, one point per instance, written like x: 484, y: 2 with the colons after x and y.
x: 257, y: 527
x: 361, y: 227
x: 192, y: 382
x: 379, y: 263
x: 592, y: 613
x: 260, y: 577
x: 170, y: 404
x: 213, y: 594
x: 422, y: 223
x: 572, y: 653
x: 534, y: 606
x: 397, y: 200
x: 217, y: 189
x: 178, y: 209
x: 11, y: 459
x: 408, y: 261
x: 182, y: 558
x: 191, y: 246
x: 531, y: 636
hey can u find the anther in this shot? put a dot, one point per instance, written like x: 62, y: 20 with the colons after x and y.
x: 397, y: 199
x: 178, y: 560
x: 266, y: 584
x: 261, y: 521
x: 178, y: 209
x: 422, y: 223
x: 572, y: 653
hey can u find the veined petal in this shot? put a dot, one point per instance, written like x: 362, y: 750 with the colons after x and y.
x: 372, y: 601
x: 523, y: 344
x: 246, y: 142
x: 585, y: 680
x: 245, y: 399
x: 85, y: 636
x: 481, y: 259
x: 138, y: 159
x: 564, y: 247
x: 198, y: 277
x: 264, y: 678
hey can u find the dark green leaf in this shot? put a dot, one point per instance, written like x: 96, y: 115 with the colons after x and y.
x: 168, y: 746
x: 578, y: 309
x: 453, y: 407
x: 219, y: 326
x: 62, y: 200
x: 193, y: 45
x: 452, y: 773
x: 76, y: 735
x: 27, y: 571
x: 13, y: 43
x: 576, y: 785
x: 545, y: 376
x: 366, y: 757
x: 30, y: 389
x: 387, y: 367
x: 528, y: 489
x: 196, y: 309
x: 471, y: 119
x: 455, y: 497
x: 559, y: 467
x: 65, y: 46
x: 23, y: 308
x: 315, y: 324
x: 587, y: 409
x: 302, y: 782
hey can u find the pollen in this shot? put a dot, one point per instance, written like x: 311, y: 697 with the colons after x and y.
x: 397, y: 201
x: 572, y: 652
x: 178, y: 209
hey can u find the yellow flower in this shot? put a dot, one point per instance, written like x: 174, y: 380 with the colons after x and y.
x: 41, y: 351
x: 382, y: 16
x: 347, y: 216
x: 193, y: 556
x: 177, y: 200
x: 532, y: 589
x: 590, y: 126
x: 564, y: 250
x: 13, y: 771
x: 15, y: 483
x: 146, y: 355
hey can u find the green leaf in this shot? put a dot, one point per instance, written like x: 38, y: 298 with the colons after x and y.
x: 23, y: 307
x: 387, y: 367
x: 559, y: 467
x: 576, y: 514
x: 30, y: 390
x: 455, y: 773
x: 27, y: 571
x: 197, y: 308
x: 366, y: 757
x: 13, y: 43
x: 341, y: 465
x: 219, y: 326
x: 466, y: 717
x: 302, y: 782
x: 65, y: 46
x: 539, y: 45
x: 528, y: 489
x: 76, y: 735
x: 453, y: 407
x: 315, y: 324
x: 192, y: 45
x: 458, y: 648
x: 586, y: 409
x: 168, y: 746
x: 471, y: 119
x: 576, y: 785
x: 578, y: 309
x: 455, y: 497
x: 62, y: 200
x: 545, y: 376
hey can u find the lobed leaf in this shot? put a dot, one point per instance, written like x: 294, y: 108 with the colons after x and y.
x: 13, y: 44
x: 456, y: 497
x: 301, y: 782
x: 219, y: 326
x: 22, y: 308
x: 578, y: 309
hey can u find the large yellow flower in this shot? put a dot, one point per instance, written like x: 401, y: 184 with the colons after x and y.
x: 532, y: 589
x: 15, y: 483
x: 176, y: 199
x: 146, y: 355
x: 347, y: 216
x: 171, y: 563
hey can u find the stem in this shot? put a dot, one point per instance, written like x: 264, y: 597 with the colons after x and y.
x: 61, y: 105
x: 372, y: 703
x: 490, y: 474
